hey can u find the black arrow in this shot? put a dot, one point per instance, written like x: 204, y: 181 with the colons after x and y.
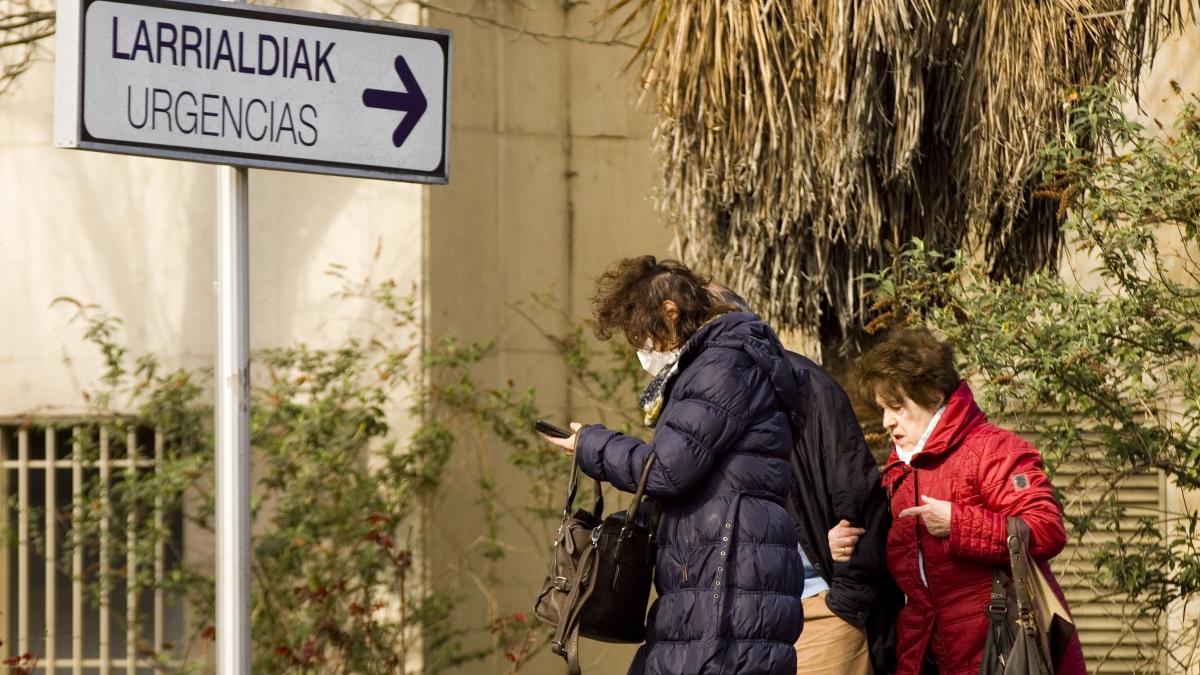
x: 410, y: 101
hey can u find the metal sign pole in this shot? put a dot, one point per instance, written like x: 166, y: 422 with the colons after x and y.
x: 301, y: 92
x: 233, y: 423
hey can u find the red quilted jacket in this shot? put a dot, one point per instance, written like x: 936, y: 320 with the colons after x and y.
x: 988, y: 474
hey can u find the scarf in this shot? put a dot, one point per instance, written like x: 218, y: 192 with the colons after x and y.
x: 653, y: 398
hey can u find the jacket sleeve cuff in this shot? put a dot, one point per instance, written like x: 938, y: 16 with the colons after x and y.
x: 978, y: 534
x: 589, y: 450
x: 854, y: 612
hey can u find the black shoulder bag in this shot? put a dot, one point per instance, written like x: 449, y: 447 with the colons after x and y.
x: 600, y: 573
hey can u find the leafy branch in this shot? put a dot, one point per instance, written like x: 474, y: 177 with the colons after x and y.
x: 1105, y: 374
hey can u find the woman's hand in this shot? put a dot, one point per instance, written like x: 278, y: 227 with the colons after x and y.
x: 567, y: 444
x: 935, y: 513
x: 842, y: 540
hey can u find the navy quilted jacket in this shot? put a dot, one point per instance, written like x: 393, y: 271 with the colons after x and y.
x: 728, y: 574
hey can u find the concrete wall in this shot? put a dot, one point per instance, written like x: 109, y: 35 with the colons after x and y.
x: 135, y: 236
x: 550, y: 181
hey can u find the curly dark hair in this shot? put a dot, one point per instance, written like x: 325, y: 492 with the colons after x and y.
x: 909, y: 363
x: 630, y: 295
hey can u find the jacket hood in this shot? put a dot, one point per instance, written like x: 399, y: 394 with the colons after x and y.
x: 746, y: 332
x: 726, y: 327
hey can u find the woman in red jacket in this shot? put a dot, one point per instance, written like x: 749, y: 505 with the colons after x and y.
x: 954, y: 479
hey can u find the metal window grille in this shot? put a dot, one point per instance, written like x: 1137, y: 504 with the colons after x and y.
x: 45, y: 609
x: 1115, y: 639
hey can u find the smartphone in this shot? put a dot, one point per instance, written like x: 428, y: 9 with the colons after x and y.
x: 544, y: 427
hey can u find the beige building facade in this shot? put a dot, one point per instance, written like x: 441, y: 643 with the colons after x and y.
x: 551, y: 178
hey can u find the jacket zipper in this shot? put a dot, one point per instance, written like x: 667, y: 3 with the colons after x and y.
x: 920, y: 567
x: 685, y: 574
x: 935, y: 644
x: 917, y: 524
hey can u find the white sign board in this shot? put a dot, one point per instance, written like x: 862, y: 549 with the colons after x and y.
x: 253, y: 86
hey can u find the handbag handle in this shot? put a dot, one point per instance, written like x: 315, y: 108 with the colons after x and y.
x: 573, y: 487
x: 641, y: 489
x: 1026, y: 577
x: 636, y: 503
x: 1018, y: 554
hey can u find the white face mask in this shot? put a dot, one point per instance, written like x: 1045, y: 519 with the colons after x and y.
x: 655, y: 362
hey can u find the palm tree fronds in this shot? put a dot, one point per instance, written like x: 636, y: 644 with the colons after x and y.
x: 803, y: 142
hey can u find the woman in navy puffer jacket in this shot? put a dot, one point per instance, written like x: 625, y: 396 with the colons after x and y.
x: 728, y: 574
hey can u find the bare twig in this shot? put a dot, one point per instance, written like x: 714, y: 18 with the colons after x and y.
x: 521, y: 31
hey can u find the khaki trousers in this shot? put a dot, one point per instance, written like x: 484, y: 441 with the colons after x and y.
x: 829, y: 645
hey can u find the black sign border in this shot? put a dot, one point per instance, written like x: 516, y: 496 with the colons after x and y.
x: 442, y: 37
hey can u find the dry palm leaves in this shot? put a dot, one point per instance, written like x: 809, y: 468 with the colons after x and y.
x: 804, y: 142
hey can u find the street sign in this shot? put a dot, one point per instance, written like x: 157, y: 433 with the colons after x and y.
x: 243, y: 86
x: 253, y: 86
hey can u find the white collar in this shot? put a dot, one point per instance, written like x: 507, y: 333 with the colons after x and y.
x: 907, y: 455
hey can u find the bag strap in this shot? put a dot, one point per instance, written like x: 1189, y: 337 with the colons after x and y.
x: 1018, y: 553
x: 997, y: 607
x: 1026, y: 577
x: 636, y: 503
x: 997, y: 613
x: 573, y: 488
x: 640, y: 494
x: 566, y: 636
